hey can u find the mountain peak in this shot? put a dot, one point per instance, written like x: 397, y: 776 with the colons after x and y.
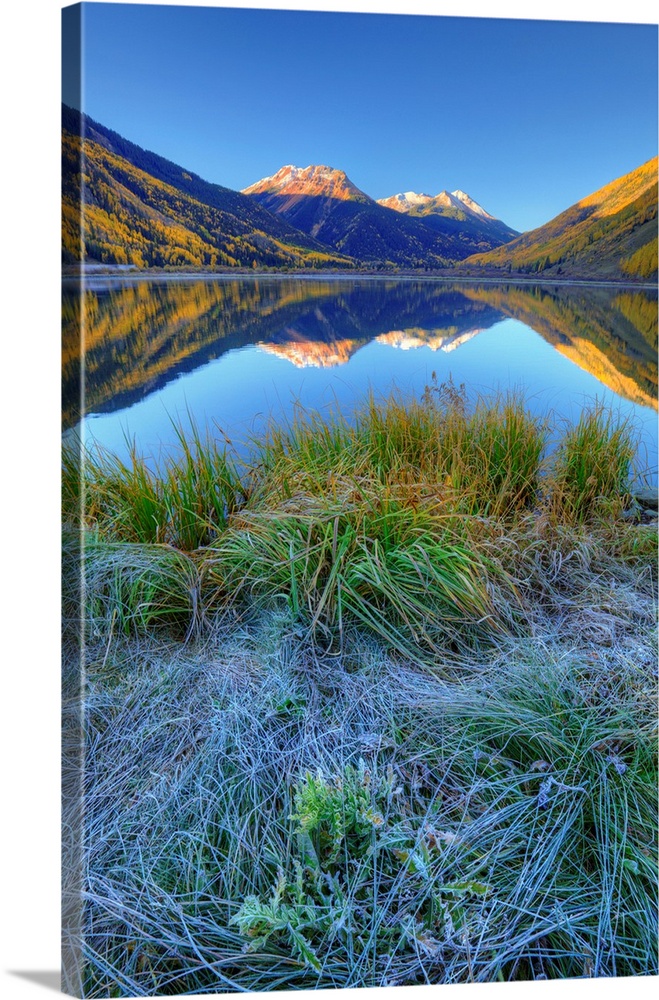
x: 316, y: 180
x: 405, y: 201
x: 456, y: 200
x: 470, y: 204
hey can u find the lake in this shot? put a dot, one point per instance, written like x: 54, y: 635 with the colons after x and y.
x: 230, y: 353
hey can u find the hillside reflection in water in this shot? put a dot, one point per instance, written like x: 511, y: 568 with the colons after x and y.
x: 229, y: 351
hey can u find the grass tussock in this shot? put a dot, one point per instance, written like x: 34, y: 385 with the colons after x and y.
x: 431, y: 451
x: 592, y: 467
x: 184, y: 503
x: 395, y: 570
x: 135, y: 588
x: 415, y: 520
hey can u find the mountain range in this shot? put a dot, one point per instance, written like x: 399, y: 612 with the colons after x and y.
x: 455, y: 205
x: 324, y: 203
x: 144, y: 211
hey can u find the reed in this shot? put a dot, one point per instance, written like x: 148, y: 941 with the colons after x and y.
x: 485, y: 461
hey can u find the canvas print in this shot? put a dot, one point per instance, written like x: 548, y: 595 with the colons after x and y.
x: 359, y: 402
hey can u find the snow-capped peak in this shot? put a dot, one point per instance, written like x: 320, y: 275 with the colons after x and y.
x: 316, y: 180
x: 404, y: 201
x: 458, y: 200
x: 470, y: 204
x: 415, y: 199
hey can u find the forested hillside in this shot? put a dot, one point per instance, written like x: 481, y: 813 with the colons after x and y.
x: 611, y: 234
x: 143, y: 210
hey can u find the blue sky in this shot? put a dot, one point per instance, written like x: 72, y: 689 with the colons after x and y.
x: 526, y: 116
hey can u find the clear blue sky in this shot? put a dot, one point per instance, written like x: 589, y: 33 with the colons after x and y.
x: 526, y: 116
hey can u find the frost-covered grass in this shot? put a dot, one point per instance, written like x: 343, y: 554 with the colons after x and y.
x: 262, y: 816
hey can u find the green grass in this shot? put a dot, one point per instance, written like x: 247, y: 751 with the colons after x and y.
x: 134, y: 588
x: 396, y: 570
x: 593, y: 466
x: 183, y: 501
x: 417, y: 520
x: 486, y: 461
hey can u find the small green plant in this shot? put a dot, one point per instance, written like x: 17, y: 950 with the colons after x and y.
x: 361, y: 879
x: 340, y: 813
x: 290, y: 914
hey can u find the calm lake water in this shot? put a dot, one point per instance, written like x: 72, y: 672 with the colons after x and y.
x: 232, y: 353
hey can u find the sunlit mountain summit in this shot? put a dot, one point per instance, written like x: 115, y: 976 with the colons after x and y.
x: 424, y: 204
x: 456, y: 205
x: 313, y: 181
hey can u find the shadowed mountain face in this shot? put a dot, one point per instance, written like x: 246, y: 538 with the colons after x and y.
x: 366, y: 231
x: 611, y: 234
x: 141, y: 335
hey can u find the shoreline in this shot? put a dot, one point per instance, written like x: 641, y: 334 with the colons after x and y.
x: 86, y: 276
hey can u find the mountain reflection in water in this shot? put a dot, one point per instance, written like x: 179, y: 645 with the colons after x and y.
x: 141, y: 335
